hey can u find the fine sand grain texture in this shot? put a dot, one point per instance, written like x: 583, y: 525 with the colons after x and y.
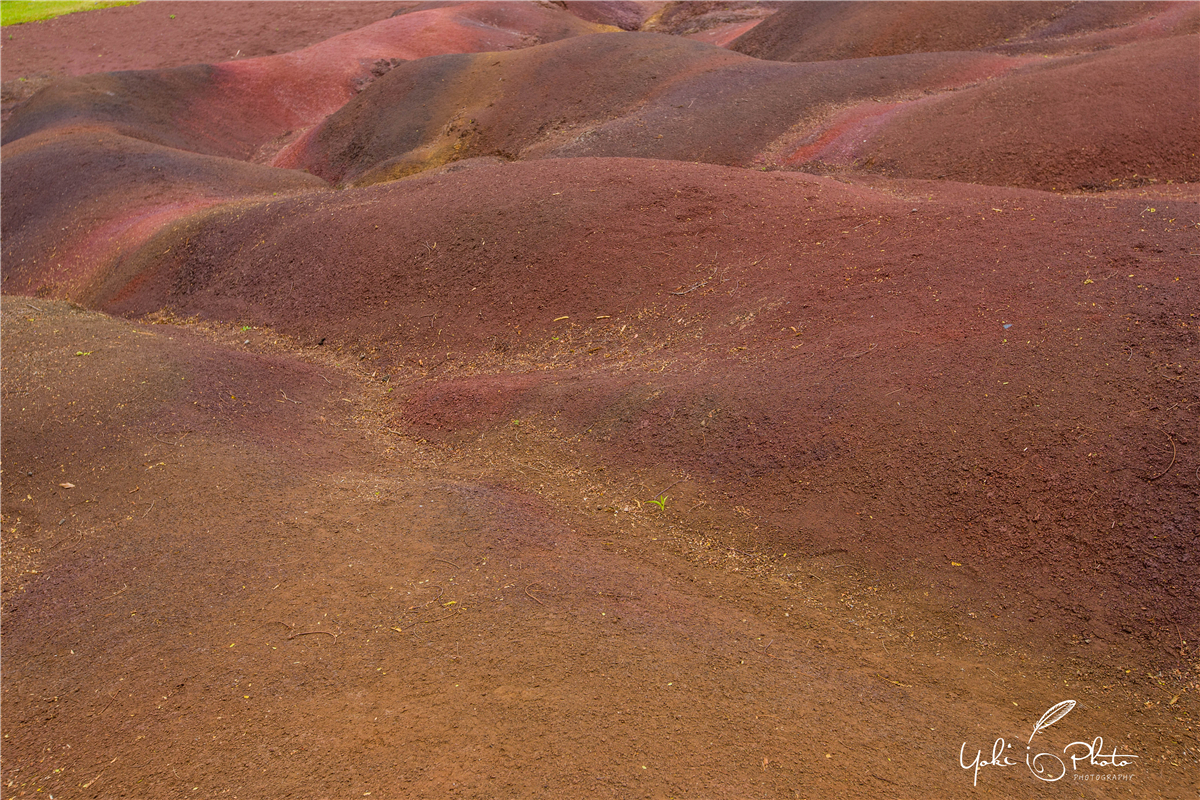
x: 617, y: 399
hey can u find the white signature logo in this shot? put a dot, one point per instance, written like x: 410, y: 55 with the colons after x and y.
x: 1047, y: 766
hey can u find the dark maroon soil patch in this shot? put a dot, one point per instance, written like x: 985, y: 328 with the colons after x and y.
x: 808, y: 31
x: 1149, y: 131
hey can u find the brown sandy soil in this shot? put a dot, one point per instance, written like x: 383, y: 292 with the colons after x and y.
x: 314, y: 492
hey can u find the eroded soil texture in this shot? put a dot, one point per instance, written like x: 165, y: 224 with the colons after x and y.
x: 613, y: 399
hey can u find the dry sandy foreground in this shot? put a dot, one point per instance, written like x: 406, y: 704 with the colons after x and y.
x: 334, y: 425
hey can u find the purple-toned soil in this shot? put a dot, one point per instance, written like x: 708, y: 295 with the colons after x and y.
x: 604, y: 399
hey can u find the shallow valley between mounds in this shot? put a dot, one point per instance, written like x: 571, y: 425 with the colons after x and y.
x: 224, y: 570
x: 929, y: 370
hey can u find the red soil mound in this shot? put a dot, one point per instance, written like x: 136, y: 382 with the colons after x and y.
x: 833, y: 31
x: 627, y: 94
x: 1075, y: 123
x: 731, y: 350
x: 77, y: 201
x: 491, y: 249
x: 1125, y: 116
x: 233, y: 109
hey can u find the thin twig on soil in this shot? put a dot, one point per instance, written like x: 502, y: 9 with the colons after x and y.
x: 451, y: 563
x: 151, y: 508
x: 292, y: 628
x: 530, y: 596
x: 81, y: 502
x: 1173, y: 453
x: 310, y: 633
x: 695, y: 286
x: 764, y: 652
x: 672, y: 486
x: 691, y: 288
x: 101, y: 772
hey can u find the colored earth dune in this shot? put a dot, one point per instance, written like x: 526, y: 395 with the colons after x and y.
x: 671, y: 310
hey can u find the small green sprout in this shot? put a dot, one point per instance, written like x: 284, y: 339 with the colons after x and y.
x: 661, y: 502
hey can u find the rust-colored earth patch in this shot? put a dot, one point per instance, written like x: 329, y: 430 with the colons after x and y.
x: 601, y: 400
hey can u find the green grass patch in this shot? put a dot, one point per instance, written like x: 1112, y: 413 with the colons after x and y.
x: 15, y: 12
